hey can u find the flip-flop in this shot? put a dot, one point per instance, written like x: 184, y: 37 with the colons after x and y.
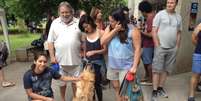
x: 146, y: 83
x: 144, y: 79
x: 7, y: 84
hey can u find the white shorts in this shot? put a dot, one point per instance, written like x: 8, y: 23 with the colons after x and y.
x: 68, y: 71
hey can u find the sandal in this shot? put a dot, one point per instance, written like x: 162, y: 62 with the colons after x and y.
x: 7, y: 84
x: 147, y: 83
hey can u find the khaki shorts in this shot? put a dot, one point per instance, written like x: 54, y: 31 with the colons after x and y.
x: 164, y: 59
x: 68, y: 71
x: 116, y: 74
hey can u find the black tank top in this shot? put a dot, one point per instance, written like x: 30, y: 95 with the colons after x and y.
x: 95, y: 45
x: 198, y: 46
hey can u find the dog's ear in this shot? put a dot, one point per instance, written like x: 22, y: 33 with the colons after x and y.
x: 87, y: 67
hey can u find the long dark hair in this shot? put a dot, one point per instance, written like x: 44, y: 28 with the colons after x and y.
x: 33, y: 66
x: 118, y: 15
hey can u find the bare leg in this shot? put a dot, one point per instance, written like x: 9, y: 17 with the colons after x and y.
x: 2, y: 78
x: 150, y: 72
x: 63, y: 92
x: 193, y: 84
x: 163, y: 77
x: 3, y: 81
x: 155, y: 80
x: 116, y: 87
x: 74, y: 89
x: 146, y: 70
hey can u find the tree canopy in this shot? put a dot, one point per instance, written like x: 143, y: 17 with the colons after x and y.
x: 36, y: 10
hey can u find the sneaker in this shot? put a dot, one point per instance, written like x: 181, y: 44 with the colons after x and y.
x: 191, y: 99
x: 104, y: 87
x: 144, y: 79
x: 7, y: 84
x: 198, y: 88
x: 154, y: 95
x: 161, y: 92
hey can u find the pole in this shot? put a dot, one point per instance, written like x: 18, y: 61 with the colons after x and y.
x: 5, y: 29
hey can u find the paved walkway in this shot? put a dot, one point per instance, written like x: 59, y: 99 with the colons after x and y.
x: 177, y: 86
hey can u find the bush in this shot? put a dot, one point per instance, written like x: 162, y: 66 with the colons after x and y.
x: 20, y: 40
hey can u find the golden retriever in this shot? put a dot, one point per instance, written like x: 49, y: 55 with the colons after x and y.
x: 85, y: 87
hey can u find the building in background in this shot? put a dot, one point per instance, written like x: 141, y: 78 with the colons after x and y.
x: 190, y: 11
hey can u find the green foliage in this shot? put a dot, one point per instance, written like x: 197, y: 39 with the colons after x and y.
x: 109, y: 5
x: 10, y: 6
x: 13, y: 31
x: 36, y: 10
x: 2, y: 3
x: 16, y: 29
x: 105, y: 5
x: 20, y: 40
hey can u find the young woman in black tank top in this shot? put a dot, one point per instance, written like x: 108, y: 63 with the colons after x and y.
x: 94, y: 50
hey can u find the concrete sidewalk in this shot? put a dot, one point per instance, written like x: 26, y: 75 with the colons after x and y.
x: 177, y: 86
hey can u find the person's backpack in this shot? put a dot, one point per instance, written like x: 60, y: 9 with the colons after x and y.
x: 3, y: 51
x: 38, y: 43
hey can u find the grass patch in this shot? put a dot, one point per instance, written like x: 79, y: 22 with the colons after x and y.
x: 20, y: 40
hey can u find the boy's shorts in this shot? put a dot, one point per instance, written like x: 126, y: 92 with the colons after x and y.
x: 147, y: 55
x: 196, y: 63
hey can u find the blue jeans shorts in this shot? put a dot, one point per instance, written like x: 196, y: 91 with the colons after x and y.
x: 196, y: 63
x: 147, y: 55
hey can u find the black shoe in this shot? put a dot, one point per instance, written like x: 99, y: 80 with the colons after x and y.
x: 191, y: 99
x: 198, y: 88
x: 154, y: 95
x: 161, y: 92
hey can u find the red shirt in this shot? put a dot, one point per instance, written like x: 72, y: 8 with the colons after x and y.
x: 148, y: 41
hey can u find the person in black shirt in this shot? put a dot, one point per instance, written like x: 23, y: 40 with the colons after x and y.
x: 196, y: 63
x: 38, y: 80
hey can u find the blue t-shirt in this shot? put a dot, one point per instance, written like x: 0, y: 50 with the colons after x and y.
x: 40, y: 83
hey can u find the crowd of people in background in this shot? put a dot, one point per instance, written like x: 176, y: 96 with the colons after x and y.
x: 117, y: 48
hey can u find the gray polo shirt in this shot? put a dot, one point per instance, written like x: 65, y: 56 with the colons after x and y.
x: 168, y: 25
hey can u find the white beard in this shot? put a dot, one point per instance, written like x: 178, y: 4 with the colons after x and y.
x: 67, y: 19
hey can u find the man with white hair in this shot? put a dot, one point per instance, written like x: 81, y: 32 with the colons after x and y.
x: 64, y: 44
